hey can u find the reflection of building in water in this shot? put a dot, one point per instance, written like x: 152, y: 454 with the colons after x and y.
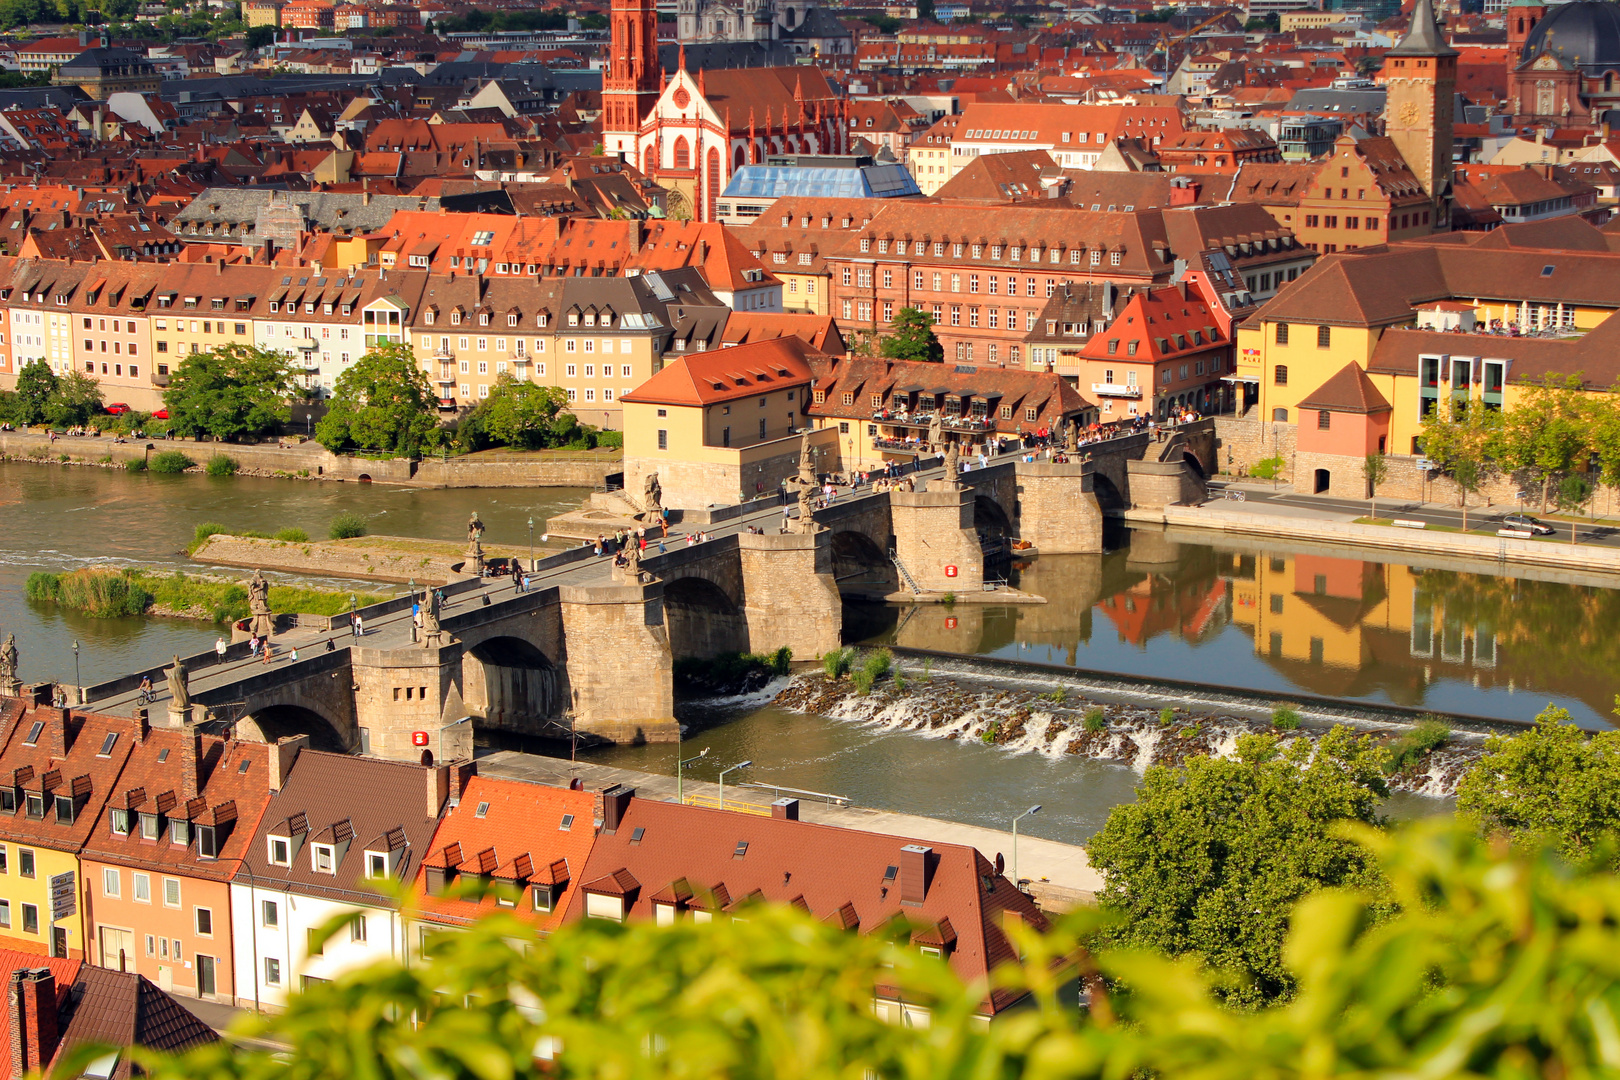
x: 1345, y: 614
x: 1156, y: 605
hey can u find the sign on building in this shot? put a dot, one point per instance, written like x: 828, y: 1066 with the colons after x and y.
x: 63, y: 896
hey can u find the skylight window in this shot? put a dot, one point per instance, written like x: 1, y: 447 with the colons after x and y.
x: 33, y: 733
x: 107, y: 744
x: 1547, y: 271
x: 483, y: 809
x: 567, y: 822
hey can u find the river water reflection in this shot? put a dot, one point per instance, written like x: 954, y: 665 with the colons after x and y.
x: 1259, y: 615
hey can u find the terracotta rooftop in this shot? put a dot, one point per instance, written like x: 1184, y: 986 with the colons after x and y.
x: 1347, y: 391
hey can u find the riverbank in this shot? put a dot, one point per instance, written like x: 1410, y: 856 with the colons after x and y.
x: 122, y: 592
x: 311, y: 461
x: 398, y: 559
x: 1560, y: 561
x: 1058, y: 723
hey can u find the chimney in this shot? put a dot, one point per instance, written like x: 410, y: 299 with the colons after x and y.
x: 915, y: 870
x: 460, y: 773
x: 1185, y: 193
x: 615, y: 801
x: 786, y: 809
x: 56, y: 733
x: 190, y: 762
x: 219, y: 268
x: 143, y: 725
x: 282, y: 755
x: 31, y: 1000
x: 438, y: 788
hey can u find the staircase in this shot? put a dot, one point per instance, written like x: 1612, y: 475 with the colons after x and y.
x: 905, y: 576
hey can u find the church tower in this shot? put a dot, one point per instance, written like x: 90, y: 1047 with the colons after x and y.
x: 1420, y: 83
x: 632, y: 81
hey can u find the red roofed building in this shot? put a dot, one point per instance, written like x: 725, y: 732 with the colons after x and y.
x: 665, y: 862
x: 722, y: 426
x: 1164, y: 353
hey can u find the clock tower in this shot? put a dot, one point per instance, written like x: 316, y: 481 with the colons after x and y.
x: 1420, y: 83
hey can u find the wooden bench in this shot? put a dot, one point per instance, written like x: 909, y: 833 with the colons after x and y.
x: 1517, y: 534
x: 1401, y: 523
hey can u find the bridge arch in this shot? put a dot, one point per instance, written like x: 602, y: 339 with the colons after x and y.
x: 1108, y: 496
x: 859, y: 563
x: 702, y: 618
x: 269, y: 723
x: 1192, y: 462
x: 990, y: 521
x: 512, y: 683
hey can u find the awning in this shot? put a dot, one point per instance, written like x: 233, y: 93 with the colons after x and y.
x: 913, y: 388
x: 1252, y: 379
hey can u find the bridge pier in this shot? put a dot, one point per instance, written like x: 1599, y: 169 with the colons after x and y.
x: 620, y: 674
x: 400, y: 692
x: 1057, y: 507
x: 789, y: 594
x: 935, y: 538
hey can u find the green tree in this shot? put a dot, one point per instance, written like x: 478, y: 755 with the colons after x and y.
x: 1548, y: 432
x: 520, y: 413
x: 36, y: 382
x: 260, y: 36
x: 1460, y: 440
x: 75, y: 399
x: 1572, y: 494
x: 383, y: 402
x: 1211, y: 857
x: 1551, y: 784
x: 230, y: 391
x: 1377, y: 468
x: 913, y: 337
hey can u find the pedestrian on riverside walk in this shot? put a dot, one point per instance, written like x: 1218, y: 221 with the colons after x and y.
x: 220, y: 647
x: 268, y: 651
x: 331, y: 644
x: 253, y: 645
x: 359, y: 626
x: 292, y: 657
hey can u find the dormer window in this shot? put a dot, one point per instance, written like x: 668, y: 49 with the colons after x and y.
x: 179, y: 831
x: 207, y: 842
x: 376, y: 864
x: 512, y: 319
x: 321, y: 860
x: 428, y: 318
x: 36, y: 804
x: 64, y: 810
x: 280, y: 853
x: 483, y: 318
x: 149, y: 826
x: 347, y: 309
x: 455, y: 318
x: 544, y: 897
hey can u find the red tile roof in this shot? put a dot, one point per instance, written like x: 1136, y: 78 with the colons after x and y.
x: 728, y: 374
x: 1348, y: 391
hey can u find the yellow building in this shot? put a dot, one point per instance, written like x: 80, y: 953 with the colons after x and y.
x: 262, y: 12
x: 723, y: 427
x: 64, y: 772
x: 929, y: 155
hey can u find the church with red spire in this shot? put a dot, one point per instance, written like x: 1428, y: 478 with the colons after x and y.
x: 691, y: 133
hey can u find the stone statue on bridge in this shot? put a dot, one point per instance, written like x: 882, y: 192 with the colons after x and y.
x: 806, y: 522
x: 936, y: 431
x: 10, y: 685
x: 432, y: 635
x: 259, y: 605
x: 475, y: 528
x: 179, y: 687
x: 631, y: 568
x: 474, y: 566
x: 652, y: 500
x: 953, y: 461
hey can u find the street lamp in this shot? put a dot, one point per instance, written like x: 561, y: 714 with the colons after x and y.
x: 1032, y: 810
x: 78, y: 682
x: 734, y: 768
x: 680, y: 790
x: 531, y: 545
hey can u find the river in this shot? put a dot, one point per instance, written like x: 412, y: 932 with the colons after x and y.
x: 1220, y: 610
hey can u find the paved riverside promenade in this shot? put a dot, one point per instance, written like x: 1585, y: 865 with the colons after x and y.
x: 1060, y: 875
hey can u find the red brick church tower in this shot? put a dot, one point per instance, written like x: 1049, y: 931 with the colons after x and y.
x: 633, y: 79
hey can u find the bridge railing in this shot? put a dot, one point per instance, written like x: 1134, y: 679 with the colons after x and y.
x: 126, y: 684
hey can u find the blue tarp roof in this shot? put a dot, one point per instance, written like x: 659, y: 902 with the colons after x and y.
x: 853, y: 182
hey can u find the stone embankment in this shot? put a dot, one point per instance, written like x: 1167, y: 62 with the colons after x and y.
x: 368, y: 558
x: 311, y: 461
x: 1025, y: 721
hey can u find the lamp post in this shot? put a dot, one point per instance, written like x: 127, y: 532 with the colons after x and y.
x: 1032, y: 810
x: 78, y: 682
x: 531, y: 545
x: 680, y: 789
x: 734, y: 768
x: 411, y: 585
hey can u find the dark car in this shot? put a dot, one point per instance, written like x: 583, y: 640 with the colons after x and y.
x: 1536, y: 526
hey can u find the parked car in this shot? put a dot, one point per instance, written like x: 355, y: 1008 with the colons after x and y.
x: 117, y: 408
x: 1536, y: 526
x: 161, y: 414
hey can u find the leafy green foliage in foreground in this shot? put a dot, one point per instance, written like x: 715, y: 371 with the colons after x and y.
x: 1213, y: 855
x: 1498, y: 963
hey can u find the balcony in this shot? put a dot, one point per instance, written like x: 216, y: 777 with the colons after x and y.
x: 307, y: 344
x: 160, y: 380
x: 1108, y: 389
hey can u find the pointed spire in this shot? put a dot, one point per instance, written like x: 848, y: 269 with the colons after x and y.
x: 1423, y: 37
x: 683, y: 56
x: 798, y: 88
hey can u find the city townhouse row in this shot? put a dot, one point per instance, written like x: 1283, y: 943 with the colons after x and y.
x: 128, y: 325
x: 209, y: 865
